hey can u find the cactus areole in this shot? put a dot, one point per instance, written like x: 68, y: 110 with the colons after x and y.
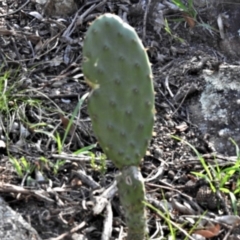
x: 121, y: 105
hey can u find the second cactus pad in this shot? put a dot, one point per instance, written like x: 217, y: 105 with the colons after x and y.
x: 121, y: 104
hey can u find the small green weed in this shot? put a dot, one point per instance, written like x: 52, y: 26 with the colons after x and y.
x: 70, y: 125
x: 190, y: 15
x: 187, y: 8
x: 54, y: 165
x: 22, y: 166
x: 5, y: 92
x: 168, y: 30
x: 86, y: 151
x: 172, y: 226
x: 208, y: 176
x: 220, y: 175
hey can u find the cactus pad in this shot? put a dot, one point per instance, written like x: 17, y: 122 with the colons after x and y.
x: 131, y: 192
x: 121, y: 104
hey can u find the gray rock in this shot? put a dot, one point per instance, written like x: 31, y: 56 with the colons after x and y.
x: 13, y: 226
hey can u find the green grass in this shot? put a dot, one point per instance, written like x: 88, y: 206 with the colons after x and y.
x: 70, y: 124
x: 173, y: 227
x: 168, y: 30
x: 55, y: 166
x: 4, y: 92
x: 190, y: 15
x: 14, y: 108
x: 218, y: 177
x: 187, y: 8
x: 22, y: 166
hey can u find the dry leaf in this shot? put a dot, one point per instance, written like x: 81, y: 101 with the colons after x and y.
x: 76, y: 182
x: 190, y: 21
x: 182, y: 127
x: 36, y: 15
x: 209, y: 232
x: 229, y: 219
x: 71, y: 132
x: 65, y: 122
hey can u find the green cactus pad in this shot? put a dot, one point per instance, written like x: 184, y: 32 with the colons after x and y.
x: 121, y: 104
x: 131, y: 192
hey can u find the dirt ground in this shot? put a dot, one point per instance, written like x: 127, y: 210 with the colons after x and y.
x: 195, y: 62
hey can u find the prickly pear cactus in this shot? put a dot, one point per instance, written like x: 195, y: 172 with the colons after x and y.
x: 131, y: 192
x: 121, y: 106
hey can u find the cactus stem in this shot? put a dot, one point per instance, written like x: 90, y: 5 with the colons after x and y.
x: 121, y: 107
x: 131, y: 179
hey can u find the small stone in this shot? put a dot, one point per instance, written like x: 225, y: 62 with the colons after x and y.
x: 158, y: 153
x: 205, y: 197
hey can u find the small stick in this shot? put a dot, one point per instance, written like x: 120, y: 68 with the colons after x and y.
x: 145, y: 20
x: 11, y: 13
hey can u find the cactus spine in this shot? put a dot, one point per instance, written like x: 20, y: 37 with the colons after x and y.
x: 121, y: 106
